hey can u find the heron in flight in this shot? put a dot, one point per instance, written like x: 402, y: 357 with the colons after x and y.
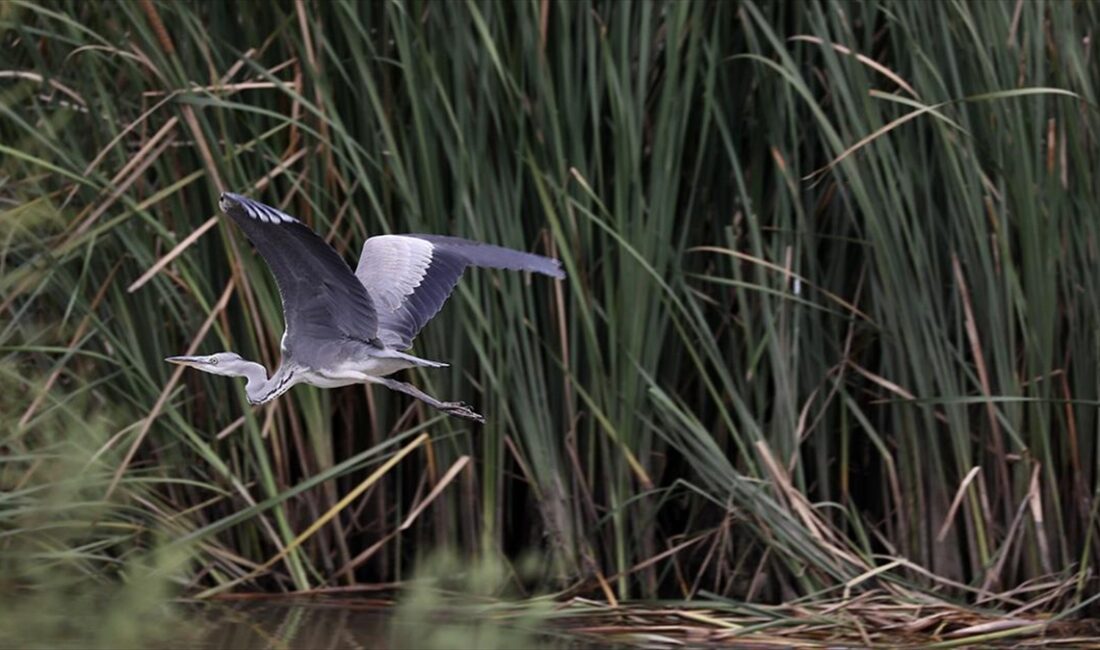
x: 347, y: 328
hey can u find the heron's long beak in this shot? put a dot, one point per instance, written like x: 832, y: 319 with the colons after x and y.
x: 194, y: 362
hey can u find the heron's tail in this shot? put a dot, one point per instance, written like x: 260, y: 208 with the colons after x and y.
x: 416, y: 361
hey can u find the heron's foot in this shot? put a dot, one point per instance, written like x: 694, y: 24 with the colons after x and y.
x: 462, y: 410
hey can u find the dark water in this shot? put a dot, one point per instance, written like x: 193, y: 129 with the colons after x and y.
x: 319, y: 625
x: 286, y: 625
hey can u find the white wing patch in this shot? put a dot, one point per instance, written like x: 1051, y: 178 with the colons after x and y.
x: 392, y: 267
x: 266, y: 213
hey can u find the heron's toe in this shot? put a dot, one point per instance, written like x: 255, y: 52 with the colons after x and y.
x: 463, y: 410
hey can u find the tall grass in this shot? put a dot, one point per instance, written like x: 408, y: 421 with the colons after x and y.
x: 830, y: 322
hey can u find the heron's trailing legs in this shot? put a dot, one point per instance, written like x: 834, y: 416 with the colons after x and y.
x: 450, y: 408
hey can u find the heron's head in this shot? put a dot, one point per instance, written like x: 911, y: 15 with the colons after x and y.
x: 229, y: 364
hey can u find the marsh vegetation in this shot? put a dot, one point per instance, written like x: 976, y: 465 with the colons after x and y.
x: 826, y: 362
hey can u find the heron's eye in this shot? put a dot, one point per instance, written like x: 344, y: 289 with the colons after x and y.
x: 213, y: 361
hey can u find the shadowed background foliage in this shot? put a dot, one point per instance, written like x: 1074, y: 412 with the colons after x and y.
x: 831, y: 306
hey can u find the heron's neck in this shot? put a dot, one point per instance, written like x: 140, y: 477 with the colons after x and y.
x: 261, y: 390
x: 256, y: 375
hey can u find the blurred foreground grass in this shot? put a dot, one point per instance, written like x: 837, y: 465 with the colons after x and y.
x: 77, y: 570
x: 830, y: 327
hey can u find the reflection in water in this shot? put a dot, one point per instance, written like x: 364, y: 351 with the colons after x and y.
x: 354, y: 624
x: 288, y: 626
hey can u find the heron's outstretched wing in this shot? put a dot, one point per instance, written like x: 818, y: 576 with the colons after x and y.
x: 322, y: 299
x: 409, y: 277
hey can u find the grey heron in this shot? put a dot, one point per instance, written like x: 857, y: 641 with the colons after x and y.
x: 347, y: 328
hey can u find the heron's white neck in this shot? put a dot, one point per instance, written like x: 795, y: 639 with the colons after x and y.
x: 257, y: 378
x: 259, y: 388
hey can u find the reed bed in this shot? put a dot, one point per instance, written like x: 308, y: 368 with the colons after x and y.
x: 828, y: 336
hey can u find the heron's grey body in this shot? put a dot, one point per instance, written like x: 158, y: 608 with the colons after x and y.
x: 347, y: 328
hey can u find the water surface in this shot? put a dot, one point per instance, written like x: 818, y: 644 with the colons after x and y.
x: 319, y: 625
